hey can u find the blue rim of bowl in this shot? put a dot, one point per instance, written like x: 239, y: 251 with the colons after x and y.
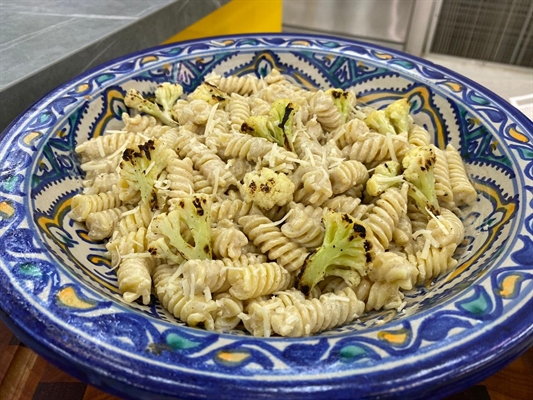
x: 483, y: 363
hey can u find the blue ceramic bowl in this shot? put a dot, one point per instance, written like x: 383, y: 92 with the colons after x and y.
x: 59, y: 296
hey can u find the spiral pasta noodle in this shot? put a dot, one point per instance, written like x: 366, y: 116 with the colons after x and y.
x: 443, y: 187
x: 374, y: 148
x: 134, y: 280
x: 228, y: 240
x: 105, y: 145
x: 302, y: 228
x: 101, y: 224
x: 347, y: 175
x: 138, y: 123
x: 273, y: 242
x: 385, y: 215
x: 463, y: 191
x: 103, y: 182
x: 254, y: 280
x: 243, y: 85
x: 325, y: 110
x: 83, y: 205
x: 349, y: 133
x: 418, y: 136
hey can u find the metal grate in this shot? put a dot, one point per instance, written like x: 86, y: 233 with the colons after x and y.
x: 491, y: 30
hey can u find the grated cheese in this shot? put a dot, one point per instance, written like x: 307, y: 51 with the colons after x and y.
x: 276, y: 223
x: 163, y: 184
x: 175, y: 276
x: 335, y: 162
x: 143, y: 136
x: 439, y: 223
x: 149, y: 168
x: 207, y: 294
x: 427, y: 235
x: 186, y: 288
x: 120, y: 150
x: 291, y: 320
x: 390, y: 146
x: 303, y: 163
x: 272, y: 155
x: 243, y: 316
x: 192, y: 285
x: 135, y: 255
x: 266, y: 321
x: 215, y: 184
x: 93, y: 166
x: 310, y: 156
x: 425, y: 251
x: 130, y: 212
x: 100, y: 146
x: 211, y: 121
x: 118, y: 261
x: 340, y: 133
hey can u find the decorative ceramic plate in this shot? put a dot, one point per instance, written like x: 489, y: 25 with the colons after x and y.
x: 60, y: 296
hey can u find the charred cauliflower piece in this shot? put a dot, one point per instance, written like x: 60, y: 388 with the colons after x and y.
x: 135, y: 100
x: 185, y: 232
x: 343, y: 100
x: 276, y: 127
x: 345, y: 252
x: 418, y: 166
x: 166, y: 95
x: 398, y: 115
x: 267, y: 188
x: 210, y: 94
x: 385, y: 176
x: 139, y: 170
x: 394, y: 119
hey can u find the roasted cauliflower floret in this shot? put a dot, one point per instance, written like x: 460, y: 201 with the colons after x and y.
x: 267, y: 188
x: 343, y: 100
x: 185, y: 232
x: 210, y: 94
x: 135, y: 100
x: 394, y: 119
x: 386, y: 175
x: 166, y: 95
x: 140, y: 168
x: 345, y: 252
x: 398, y: 115
x: 276, y: 126
x: 418, y: 166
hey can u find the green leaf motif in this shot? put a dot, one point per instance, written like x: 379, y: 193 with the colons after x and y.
x: 30, y: 269
x: 478, y: 305
x: 8, y: 184
x: 478, y: 99
x: 180, y: 343
x: 352, y: 353
x: 104, y: 77
x: 527, y: 154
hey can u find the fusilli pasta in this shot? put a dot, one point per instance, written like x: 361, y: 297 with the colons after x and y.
x: 223, y: 202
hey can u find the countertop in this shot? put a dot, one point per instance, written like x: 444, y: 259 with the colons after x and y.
x: 44, y: 43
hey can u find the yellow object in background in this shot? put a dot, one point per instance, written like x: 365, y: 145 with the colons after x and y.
x: 238, y: 16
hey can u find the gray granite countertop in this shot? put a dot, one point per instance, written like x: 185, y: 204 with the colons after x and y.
x: 44, y: 43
